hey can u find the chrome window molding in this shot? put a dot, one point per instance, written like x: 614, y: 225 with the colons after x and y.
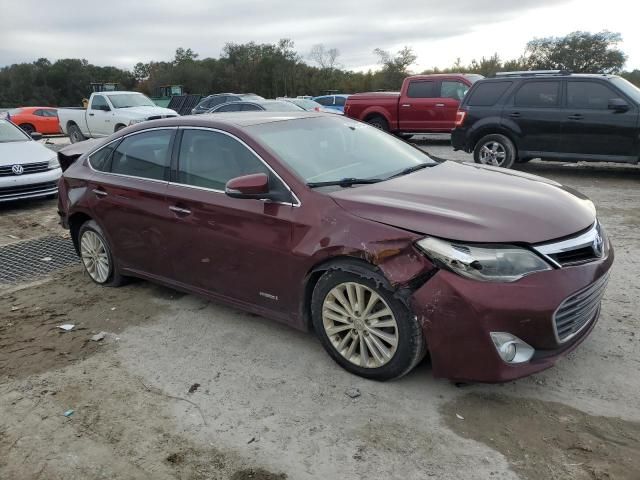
x: 589, y: 238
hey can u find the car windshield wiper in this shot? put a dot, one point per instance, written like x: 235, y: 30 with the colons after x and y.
x: 406, y: 171
x: 344, y: 182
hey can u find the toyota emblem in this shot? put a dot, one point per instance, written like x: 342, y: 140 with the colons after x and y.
x: 17, y: 169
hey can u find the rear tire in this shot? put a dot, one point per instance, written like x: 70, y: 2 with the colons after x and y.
x: 405, y: 136
x: 353, y: 314
x: 75, y: 134
x: 378, y: 121
x: 96, y: 256
x: 27, y: 128
x: 495, y: 150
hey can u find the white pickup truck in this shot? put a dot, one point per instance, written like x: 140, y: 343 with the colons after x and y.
x: 108, y: 112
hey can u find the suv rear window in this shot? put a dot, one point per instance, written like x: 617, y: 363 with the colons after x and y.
x: 538, y: 94
x: 488, y: 93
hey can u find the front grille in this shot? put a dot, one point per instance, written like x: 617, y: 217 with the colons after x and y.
x: 19, y: 191
x: 577, y: 311
x: 38, y: 167
x: 575, y: 257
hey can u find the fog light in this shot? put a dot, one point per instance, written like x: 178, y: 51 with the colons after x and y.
x: 511, y: 349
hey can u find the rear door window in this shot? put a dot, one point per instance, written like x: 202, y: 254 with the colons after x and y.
x: 421, y: 89
x: 589, y: 95
x: 144, y: 155
x: 231, y: 107
x: 340, y: 101
x: 250, y: 107
x: 538, y: 94
x: 210, y: 159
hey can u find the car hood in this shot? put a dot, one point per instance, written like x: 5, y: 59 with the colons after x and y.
x: 472, y: 203
x: 145, y: 112
x: 12, y: 153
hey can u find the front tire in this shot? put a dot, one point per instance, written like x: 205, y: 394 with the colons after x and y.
x: 364, y: 327
x: 96, y: 255
x: 495, y: 150
x: 75, y: 134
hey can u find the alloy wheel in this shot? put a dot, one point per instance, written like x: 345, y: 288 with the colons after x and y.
x: 94, y: 256
x: 360, y: 325
x: 493, y: 153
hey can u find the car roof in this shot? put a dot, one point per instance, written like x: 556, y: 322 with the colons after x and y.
x: 117, y: 92
x: 36, y: 108
x: 233, y: 119
x: 524, y: 75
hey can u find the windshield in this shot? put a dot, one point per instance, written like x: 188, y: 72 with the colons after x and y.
x: 10, y: 133
x: 627, y: 87
x: 280, y: 107
x: 325, y: 149
x: 125, y: 100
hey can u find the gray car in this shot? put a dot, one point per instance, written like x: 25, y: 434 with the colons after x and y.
x: 257, y: 105
x: 27, y: 168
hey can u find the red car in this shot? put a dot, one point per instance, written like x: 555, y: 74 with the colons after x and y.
x: 326, y: 223
x: 425, y: 104
x: 43, y: 120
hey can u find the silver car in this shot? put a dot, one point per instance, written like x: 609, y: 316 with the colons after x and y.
x: 27, y: 168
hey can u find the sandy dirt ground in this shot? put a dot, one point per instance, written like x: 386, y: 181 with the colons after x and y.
x: 183, y: 388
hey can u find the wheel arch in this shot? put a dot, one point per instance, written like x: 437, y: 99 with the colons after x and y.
x: 372, y: 112
x: 76, y: 221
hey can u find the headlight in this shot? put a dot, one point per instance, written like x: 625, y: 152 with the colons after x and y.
x: 133, y: 122
x: 489, y: 263
x: 53, y: 163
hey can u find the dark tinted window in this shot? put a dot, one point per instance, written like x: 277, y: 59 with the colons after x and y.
x: 231, y: 107
x: 100, y: 159
x: 453, y: 89
x: 211, y: 159
x: 421, y: 89
x: 487, y: 94
x: 49, y: 113
x: 326, y: 101
x: 98, y: 103
x: 589, y: 95
x: 143, y: 155
x: 340, y: 101
x: 538, y: 94
x: 249, y: 107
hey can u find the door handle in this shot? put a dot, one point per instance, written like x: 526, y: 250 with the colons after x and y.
x: 405, y: 105
x: 577, y: 116
x: 91, y: 114
x: 180, y: 211
x: 439, y: 104
x: 514, y: 114
x: 99, y: 193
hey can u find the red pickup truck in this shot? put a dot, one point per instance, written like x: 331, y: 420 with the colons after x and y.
x: 425, y: 104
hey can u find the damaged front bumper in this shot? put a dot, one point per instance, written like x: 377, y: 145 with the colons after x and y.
x: 458, y: 315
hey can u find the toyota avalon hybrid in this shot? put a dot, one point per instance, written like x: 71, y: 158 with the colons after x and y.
x: 328, y: 224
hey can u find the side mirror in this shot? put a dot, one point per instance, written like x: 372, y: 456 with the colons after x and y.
x: 618, y: 105
x: 36, y: 135
x: 254, y: 186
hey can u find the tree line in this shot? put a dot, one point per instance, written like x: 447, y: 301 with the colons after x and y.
x: 277, y: 69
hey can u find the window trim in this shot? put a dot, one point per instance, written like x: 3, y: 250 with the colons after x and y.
x: 174, y: 167
x: 120, y: 139
x: 561, y: 88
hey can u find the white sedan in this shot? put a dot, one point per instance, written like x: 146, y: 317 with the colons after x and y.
x: 27, y: 168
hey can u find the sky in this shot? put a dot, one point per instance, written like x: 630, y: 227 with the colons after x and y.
x: 124, y: 32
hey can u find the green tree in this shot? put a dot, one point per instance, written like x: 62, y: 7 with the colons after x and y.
x: 580, y: 52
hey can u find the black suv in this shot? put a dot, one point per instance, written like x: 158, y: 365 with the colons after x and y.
x: 552, y: 115
x: 207, y: 103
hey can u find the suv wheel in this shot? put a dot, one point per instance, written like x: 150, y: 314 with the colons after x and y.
x: 496, y: 150
x: 364, y: 328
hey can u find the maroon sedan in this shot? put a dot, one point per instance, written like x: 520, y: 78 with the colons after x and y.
x: 326, y: 223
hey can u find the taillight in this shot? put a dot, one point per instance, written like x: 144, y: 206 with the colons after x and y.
x: 461, y: 115
x: 317, y: 109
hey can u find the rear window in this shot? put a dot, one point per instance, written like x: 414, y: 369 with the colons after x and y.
x: 538, y: 94
x: 487, y: 94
